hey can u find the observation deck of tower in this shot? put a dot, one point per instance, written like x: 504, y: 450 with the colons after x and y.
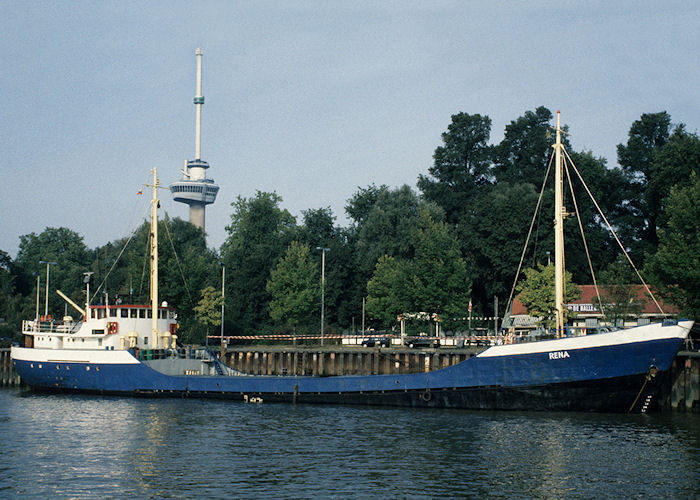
x: 195, y: 189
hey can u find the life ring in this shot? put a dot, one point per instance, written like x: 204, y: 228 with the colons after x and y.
x: 426, y: 396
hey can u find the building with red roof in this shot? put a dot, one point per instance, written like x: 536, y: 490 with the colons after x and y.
x: 587, y: 314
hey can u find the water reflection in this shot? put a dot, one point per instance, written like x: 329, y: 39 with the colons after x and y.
x: 84, y: 446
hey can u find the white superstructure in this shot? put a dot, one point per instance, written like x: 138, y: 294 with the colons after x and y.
x: 112, y: 327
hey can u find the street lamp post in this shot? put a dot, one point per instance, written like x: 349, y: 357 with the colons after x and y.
x: 48, y: 263
x: 323, y: 284
x: 223, y: 282
x: 38, y: 287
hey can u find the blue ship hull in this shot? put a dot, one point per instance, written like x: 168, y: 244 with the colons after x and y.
x: 563, y: 374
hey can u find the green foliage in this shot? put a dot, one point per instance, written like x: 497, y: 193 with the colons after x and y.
x: 318, y: 227
x: 387, y: 229
x: 10, y: 300
x: 492, y: 236
x: 72, y: 257
x: 675, y: 268
x: 185, y: 266
x: 606, y: 185
x: 463, y: 237
x: 646, y: 136
x: 208, y: 309
x: 294, y: 287
x: 342, y: 291
x: 523, y: 154
x: 620, y: 300
x: 259, y: 234
x: 434, y: 280
x: 438, y: 280
x: 362, y: 202
x: 537, y: 294
x: 386, y: 290
x: 673, y: 164
x: 461, y: 166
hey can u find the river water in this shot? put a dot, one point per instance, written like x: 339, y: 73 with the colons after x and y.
x: 58, y: 446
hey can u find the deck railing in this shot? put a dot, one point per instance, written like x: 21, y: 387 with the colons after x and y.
x: 54, y: 327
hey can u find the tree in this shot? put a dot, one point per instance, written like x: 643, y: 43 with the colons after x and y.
x: 208, y: 309
x: 675, y: 267
x: 186, y: 267
x: 259, y: 234
x: 439, y: 282
x: 461, y: 166
x: 185, y: 264
x: 619, y: 298
x: 386, y: 297
x: 606, y: 185
x: 434, y: 280
x: 67, y: 249
x: 492, y: 236
x: 523, y: 154
x: 536, y: 293
x: 342, y: 290
x: 672, y: 164
x: 294, y: 287
x: 362, y: 202
x: 387, y: 229
x: 318, y: 227
x: 645, y: 137
x: 11, y: 300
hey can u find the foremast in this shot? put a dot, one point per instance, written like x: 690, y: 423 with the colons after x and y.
x: 155, y: 333
x: 559, y: 214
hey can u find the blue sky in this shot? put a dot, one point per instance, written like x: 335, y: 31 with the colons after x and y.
x: 308, y: 99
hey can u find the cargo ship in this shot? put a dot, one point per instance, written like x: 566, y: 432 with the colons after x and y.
x: 132, y: 350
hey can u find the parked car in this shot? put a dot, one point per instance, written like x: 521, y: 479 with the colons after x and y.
x: 422, y: 342
x: 376, y: 341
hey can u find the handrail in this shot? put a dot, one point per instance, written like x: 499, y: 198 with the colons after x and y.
x: 53, y: 327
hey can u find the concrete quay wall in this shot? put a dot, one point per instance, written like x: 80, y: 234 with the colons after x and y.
x: 340, y: 361
x: 8, y: 375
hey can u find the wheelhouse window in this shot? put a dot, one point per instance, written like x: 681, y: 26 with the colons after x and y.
x: 133, y: 313
x: 112, y: 313
x: 142, y: 313
x: 124, y: 313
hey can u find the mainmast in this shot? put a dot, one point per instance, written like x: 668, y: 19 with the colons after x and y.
x: 559, y: 231
x: 154, y: 261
